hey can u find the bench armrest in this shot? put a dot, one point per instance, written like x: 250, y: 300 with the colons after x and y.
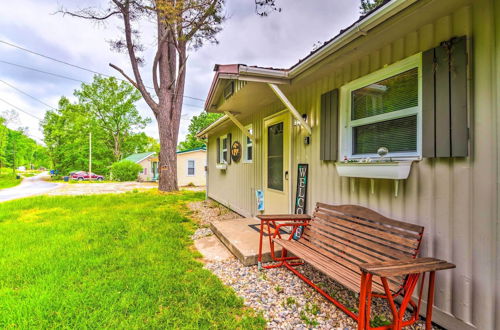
x: 284, y: 217
x: 405, y: 266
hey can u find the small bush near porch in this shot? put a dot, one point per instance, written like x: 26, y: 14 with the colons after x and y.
x: 109, y: 261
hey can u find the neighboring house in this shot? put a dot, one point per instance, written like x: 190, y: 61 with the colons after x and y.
x: 191, y: 167
x: 421, y: 78
x: 149, y: 163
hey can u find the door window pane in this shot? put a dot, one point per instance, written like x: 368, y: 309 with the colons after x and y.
x: 275, y: 156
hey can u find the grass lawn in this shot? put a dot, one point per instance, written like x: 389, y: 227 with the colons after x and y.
x: 8, y: 180
x: 109, y: 261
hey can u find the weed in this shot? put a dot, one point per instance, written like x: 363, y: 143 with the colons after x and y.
x: 290, y: 301
x: 308, y: 321
x: 379, y: 321
x: 278, y: 289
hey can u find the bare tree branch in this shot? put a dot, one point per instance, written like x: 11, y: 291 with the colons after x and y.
x: 152, y: 105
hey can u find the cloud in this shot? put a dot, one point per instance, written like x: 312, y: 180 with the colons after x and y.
x: 278, y: 40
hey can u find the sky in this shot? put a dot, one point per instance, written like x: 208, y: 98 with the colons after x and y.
x: 278, y: 40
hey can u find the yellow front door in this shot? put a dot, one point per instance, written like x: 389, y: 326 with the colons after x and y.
x: 277, y: 164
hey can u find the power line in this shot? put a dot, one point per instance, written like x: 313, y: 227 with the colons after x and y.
x: 19, y: 109
x: 52, y: 58
x: 31, y: 96
x: 41, y: 71
x: 66, y: 77
x: 79, y: 67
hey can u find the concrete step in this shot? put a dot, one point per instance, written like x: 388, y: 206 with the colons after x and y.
x: 241, y: 237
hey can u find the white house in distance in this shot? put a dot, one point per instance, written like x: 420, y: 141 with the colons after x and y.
x: 191, y: 167
x: 149, y: 163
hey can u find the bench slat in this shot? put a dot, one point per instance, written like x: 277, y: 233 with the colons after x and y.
x: 364, y: 238
x: 346, y: 260
x: 361, y: 256
x: 412, y: 243
x: 366, y: 213
x: 337, y: 271
x: 357, y: 242
x: 414, y: 266
x: 370, y: 223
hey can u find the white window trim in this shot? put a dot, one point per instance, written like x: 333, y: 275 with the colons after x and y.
x: 346, y: 124
x: 187, y: 167
x: 222, y: 137
x: 245, y: 145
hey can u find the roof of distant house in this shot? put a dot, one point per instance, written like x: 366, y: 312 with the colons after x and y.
x: 191, y: 150
x: 136, y: 158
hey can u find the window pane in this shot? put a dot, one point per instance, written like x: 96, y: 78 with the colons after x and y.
x: 392, y: 94
x: 224, y: 155
x: 190, y: 167
x: 249, y: 152
x: 224, y: 143
x: 398, y: 135
x: 275, y: 156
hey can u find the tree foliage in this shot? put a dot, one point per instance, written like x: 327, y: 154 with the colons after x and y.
x: 369, y: 5
x: 18, y: 149
x: 125, y: 170
x: 106, y: 110
x: 112, y: 103
x: 197, y: 124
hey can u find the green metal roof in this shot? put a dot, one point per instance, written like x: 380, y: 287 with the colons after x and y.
x: 140, y: 156
x: 194, y: 149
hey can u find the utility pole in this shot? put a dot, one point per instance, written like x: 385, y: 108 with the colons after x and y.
x: 90, y: 156
x: 14, y: 156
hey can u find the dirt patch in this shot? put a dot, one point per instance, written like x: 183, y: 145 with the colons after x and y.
x: 101, y: 188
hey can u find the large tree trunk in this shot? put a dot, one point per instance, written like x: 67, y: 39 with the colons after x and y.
x: 168, y: 155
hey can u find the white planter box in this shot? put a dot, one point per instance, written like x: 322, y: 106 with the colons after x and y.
x: 375, y: 170
x: 221, y: 167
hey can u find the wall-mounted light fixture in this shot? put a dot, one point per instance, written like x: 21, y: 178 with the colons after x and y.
x: 297, y: 123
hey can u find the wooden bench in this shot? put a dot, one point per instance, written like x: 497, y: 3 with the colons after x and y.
x: 364, y: 251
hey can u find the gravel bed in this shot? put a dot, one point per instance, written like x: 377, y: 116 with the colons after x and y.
x: 289, y: 303
x: 208, y: 211
x: 201, y: 232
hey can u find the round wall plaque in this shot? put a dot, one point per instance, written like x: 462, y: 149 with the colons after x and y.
x: 236, y: 151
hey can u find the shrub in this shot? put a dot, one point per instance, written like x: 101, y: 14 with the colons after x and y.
x: 125, y: 170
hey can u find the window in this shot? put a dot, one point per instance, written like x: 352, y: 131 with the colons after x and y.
x: 223, y: 149
x: 383, y: 109
x: 145, y: 171
x: 248, y: 148
x: 190, y: 167
x: 275, y: 153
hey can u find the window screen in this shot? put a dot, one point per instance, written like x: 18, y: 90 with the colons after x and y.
x: 190, y: 167
x: 398, y: 135
x: 392, y: 94
x: 224, y: 149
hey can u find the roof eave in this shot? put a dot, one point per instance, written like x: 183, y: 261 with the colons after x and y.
x: 203, y: 133
x: 361, y: 28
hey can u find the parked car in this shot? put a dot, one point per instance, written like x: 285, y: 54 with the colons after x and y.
x: 82, y: 175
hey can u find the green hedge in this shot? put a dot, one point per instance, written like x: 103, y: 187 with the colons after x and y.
x: 125, y: 170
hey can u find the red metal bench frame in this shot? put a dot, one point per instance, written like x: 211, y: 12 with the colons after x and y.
x: 417, y: 266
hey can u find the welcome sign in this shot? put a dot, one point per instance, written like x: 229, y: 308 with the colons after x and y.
x: 301, y: 196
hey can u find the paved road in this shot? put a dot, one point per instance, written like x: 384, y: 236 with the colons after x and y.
x: 29, y: 187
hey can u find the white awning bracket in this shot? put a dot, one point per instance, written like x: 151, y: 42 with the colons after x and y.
x: 240, y: 126
x: 290, y: 107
